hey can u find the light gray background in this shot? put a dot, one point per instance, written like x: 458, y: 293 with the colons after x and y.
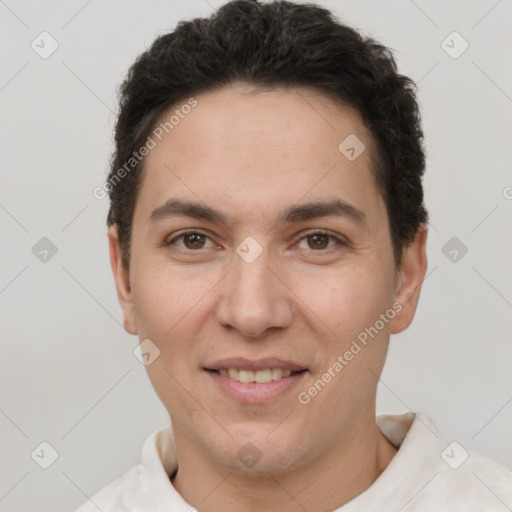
x: 68, y: 375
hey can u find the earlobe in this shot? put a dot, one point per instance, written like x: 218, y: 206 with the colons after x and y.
x: 411, y: 275
x: 122, y: 281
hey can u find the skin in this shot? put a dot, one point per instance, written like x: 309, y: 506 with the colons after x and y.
x: 251, y: 155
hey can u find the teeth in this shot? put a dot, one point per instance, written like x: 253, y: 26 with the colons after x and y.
x: 277, y: 373
x: 263, y: 376
x: 260, y: 376
x: 245, y: 376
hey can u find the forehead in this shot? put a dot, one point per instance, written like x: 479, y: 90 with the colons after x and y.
x: 257, y: 150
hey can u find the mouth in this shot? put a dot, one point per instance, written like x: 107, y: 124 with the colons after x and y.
x: 258, y: 376
x: 255, y: 382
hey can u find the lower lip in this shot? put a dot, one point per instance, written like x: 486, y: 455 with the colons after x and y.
x: 253, y: 392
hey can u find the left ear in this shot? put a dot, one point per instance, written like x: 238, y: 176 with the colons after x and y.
x: 411, y: 275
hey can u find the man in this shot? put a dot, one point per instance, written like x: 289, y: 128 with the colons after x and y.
x: 267, y: 236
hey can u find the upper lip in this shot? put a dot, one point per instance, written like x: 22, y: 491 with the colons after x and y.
x: 242, y: 363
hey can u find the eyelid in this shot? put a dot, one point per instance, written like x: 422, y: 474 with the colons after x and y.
x: 341, y: 241
x: 181, y: 234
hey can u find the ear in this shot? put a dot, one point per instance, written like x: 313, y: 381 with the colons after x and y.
x: 122, y: 280
x: 410, y: 278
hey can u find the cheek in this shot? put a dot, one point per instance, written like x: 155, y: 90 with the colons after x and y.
x: 346, y: 301
x: 163, y: 300
x: 155, y: 307
x: 171, y: 306
x: 351, y: 304
x: 168, y: 311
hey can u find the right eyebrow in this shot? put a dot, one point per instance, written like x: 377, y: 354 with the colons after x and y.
x: 174, y: 207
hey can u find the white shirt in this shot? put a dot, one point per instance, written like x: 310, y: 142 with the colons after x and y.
x: 427, y: 474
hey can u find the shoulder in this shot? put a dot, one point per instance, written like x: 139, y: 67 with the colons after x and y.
x: 147, y: 485
x: 430, y: 473
x: 474, y: 478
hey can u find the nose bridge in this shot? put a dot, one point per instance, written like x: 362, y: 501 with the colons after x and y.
x: 253, y: 299
x: 252, y: 278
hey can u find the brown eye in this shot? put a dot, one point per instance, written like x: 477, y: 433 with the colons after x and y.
x: 318, y: 241
x: 191, y: 241
x: 321, y: 242
x: 194, y: 240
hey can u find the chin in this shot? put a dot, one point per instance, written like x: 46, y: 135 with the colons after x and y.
x: 257, y: 455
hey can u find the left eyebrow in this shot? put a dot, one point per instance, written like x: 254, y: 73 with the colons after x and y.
x: 296, y: 213
x: 334, y: 208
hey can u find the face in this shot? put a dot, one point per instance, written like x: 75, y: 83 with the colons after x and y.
x: 260, y: 251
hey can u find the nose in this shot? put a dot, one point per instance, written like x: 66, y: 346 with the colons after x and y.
x: 254, y: 298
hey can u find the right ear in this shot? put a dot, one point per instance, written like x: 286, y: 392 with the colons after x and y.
x: 122, y: 280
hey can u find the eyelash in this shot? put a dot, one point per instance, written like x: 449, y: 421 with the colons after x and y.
x: 340, y: 242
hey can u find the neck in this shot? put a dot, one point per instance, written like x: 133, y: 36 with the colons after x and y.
x: 327, y: 482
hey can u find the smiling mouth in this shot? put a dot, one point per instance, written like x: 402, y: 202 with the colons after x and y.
x: 259, y: 376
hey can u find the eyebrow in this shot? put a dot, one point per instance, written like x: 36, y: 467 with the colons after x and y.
x: 296, y: 213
